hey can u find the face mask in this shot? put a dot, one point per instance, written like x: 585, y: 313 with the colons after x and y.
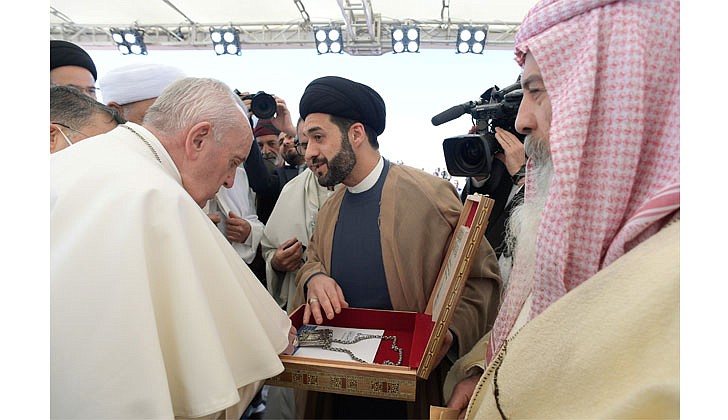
x: 70, y: 143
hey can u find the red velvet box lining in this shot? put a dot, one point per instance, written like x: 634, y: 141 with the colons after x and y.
x: 412, y: 330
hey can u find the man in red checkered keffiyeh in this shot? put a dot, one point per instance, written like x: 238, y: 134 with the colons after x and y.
x: 601, y: 98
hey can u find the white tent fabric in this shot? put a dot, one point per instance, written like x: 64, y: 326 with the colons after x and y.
x: 148, y: 12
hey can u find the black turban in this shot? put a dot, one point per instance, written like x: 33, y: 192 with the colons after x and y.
x: 344, y: 98
x: 64, y: 53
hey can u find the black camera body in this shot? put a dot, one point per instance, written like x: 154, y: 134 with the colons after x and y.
x: 472, y: 154
x: 262, y: 104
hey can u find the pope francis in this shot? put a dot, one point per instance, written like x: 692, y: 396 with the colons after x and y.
x: 153, y: 313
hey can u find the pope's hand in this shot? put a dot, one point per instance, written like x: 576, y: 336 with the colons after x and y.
x: 291, y: 339
x: 324, y: 295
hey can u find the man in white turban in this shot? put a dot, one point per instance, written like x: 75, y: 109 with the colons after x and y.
x: 132, y: 89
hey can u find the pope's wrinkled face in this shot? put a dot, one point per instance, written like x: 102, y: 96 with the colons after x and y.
x: 217, y: 162
x: 534, y: 114
x: 329, y: 153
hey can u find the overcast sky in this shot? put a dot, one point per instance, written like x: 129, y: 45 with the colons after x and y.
x: 415, y: 86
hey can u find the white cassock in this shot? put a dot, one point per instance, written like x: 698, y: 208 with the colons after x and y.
x: 153, y: 314
x: 294, y: 215
x: 239, y: 199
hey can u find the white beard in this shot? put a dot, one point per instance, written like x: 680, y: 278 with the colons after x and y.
x: 522, y: 229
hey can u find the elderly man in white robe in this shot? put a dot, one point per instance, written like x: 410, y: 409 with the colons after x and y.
x: 289, y: 228
x: 153, y: 314
x: 233, y: 211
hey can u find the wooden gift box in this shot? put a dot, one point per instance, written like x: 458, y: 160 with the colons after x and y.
x: 419, y: 335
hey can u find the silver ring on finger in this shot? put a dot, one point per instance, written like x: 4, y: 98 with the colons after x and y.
x: 313, y: 300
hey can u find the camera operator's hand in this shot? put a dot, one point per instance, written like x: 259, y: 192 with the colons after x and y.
x: 515, y: 156
x: 247, y: 102
x: 282, y: 120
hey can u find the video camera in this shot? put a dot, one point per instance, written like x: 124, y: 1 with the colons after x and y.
x: 472, y: 154
x: 262, y: 104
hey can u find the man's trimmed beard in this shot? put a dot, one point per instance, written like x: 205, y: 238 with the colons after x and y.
x: 340, y: 166
x: 292, y: 157
x: 522, y: 229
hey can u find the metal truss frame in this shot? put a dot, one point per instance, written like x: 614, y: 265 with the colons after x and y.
x: 364, y: 33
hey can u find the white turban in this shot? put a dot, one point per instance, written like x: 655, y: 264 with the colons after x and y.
x: 137, y: 82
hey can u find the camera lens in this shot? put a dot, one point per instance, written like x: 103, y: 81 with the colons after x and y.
x: 467, y: 155
x: 471, y: 152
x: 263, y: 105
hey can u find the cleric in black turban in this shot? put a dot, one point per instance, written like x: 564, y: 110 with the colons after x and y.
x: 344, y: 98
x: 65, y: 53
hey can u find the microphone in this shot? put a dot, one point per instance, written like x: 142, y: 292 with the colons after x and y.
x: 452, y: 113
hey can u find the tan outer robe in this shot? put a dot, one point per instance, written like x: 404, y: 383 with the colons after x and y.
x: 417, y: 217
x: 608, y: 349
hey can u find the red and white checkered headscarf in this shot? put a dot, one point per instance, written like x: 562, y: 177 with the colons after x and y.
x: 611, y: 69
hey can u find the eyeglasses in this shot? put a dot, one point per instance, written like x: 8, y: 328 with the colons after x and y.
x: 72, y: 129
x: 300, y: 147
x: 91, y: 90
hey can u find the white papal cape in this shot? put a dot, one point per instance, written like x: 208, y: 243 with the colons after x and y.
x: 153, y: 314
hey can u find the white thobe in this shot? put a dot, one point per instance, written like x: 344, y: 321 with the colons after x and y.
x: 239, y: 199
x: 153, y: 314
x: 294, y: 215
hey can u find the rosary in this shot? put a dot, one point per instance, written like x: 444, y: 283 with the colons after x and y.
x: 325, y: 337
x: 154, y: 152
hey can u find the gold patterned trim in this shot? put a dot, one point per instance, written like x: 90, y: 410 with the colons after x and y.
x: 377, y: 387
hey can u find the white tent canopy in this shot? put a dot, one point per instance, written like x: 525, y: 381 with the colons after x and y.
x: 415, y: 86
x: 366, y: 25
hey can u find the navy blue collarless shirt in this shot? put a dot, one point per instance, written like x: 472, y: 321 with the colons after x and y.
x: 356, y: 257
